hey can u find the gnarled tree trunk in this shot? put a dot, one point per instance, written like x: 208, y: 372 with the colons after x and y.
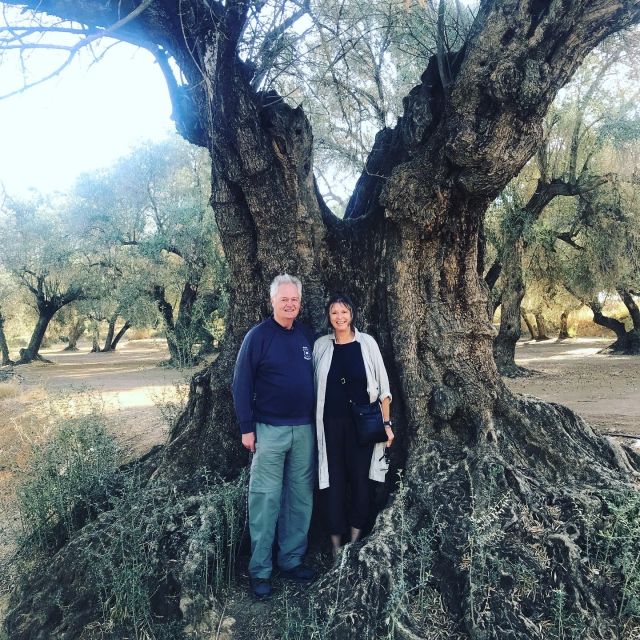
x: 513, y: 289
x: 627, y: 342
x: 95, y: 336
x: 47, y: 306
x: 75, y: 332
x: 563, y: 334
x: 111, y: 329
x: 46, y: 311
x: 499, y: 494
x: 504, y: 345
x: 541, y: 327
x: 114, y: 343
x: 181, y: 332
x: 530, y: 329
x: 4, y: 347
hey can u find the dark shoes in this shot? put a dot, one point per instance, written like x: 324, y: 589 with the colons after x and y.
x: 301, y: 573
x: 261, y: 588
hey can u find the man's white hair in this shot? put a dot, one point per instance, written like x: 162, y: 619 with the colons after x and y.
x: 285, y: 278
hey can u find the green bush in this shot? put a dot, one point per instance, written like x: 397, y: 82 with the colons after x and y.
x: 139, y: 553
x: 66, y: 477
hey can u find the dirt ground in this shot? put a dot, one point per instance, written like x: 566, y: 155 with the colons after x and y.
x: 136, y: 394
x: 603, y: 389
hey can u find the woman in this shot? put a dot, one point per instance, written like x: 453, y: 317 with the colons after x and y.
x: 348, y: 368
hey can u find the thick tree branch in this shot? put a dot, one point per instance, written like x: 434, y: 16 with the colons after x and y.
x: 568, y: 238
x: 632, y: 306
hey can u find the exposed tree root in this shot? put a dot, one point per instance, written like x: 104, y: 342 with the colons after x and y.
x: 515, y: 538
x: 516, y: 371
x: 36, y: 358
x: 627, y: 346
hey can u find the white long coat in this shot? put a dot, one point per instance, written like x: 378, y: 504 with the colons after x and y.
x: 377, y: 387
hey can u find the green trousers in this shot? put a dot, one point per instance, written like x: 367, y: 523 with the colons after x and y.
x: 280, y: 493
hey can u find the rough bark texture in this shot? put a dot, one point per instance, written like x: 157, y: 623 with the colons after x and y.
x: 30, y: 353
x: 501, y: 496
x: 123, y: 329
x: 530, y: 329
x: 111, y: 329
x: 504, y: 345
x: 75, y: 332
x: 541, y: 327
x: 563, y: 333
x: 627, y: 341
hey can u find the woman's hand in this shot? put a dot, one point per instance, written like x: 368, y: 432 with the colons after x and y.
x: 390, y: 436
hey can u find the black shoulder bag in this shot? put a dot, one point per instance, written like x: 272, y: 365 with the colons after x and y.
x: 369, y: 425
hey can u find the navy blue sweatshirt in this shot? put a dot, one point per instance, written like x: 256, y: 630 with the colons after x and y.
x: 273, y: 378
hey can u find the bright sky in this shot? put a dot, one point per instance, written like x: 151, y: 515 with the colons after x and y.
x: 83, y: 119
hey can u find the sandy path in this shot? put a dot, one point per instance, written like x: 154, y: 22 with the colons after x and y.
x: 603, y: 389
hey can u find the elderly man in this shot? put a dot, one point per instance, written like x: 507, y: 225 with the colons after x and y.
x: 274, y: 399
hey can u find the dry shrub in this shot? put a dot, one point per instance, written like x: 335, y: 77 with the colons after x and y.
x: 66, y: 476
x: 581, y: 322
x: 9, y: 390
x: 140, y: 334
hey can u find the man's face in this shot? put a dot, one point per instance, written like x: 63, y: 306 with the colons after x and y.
x: 286, y: 304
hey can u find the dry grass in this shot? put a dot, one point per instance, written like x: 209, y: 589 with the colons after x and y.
x: 9, y: 390
x: 141, y: 334
x: 581, y: 321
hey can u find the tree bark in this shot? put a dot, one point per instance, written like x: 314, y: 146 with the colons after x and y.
x: 125, y: 327
x: 632, y: 307
x: 75, y: 332
x: 95, y: 336
x: 530, y: 329
x: 4, y: 347
x: 513, y: 289
x: 182, y: 332
x: 166, y: 311
x: 491, y: 482
x: 47, y: 306
x: 541, y: 327
x: 504, y: 345
x: 111, y: 329
x: 30, y: 353
x: 493, y: 274
x: 563, y: 334
x: 186, y: 329
x: 627, y: 342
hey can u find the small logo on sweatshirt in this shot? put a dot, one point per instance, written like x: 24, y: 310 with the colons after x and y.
x: 306, y: 353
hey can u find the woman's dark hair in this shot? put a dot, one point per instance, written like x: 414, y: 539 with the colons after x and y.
x: 341, y: 298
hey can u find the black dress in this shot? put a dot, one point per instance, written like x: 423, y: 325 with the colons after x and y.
x: 348, y: 462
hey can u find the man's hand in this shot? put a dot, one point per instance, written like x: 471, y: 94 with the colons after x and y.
x: 249, y: 441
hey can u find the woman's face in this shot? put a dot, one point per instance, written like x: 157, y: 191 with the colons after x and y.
x: 340, y: 316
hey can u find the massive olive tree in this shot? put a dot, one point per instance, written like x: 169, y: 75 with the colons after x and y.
x: 502, y: 497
